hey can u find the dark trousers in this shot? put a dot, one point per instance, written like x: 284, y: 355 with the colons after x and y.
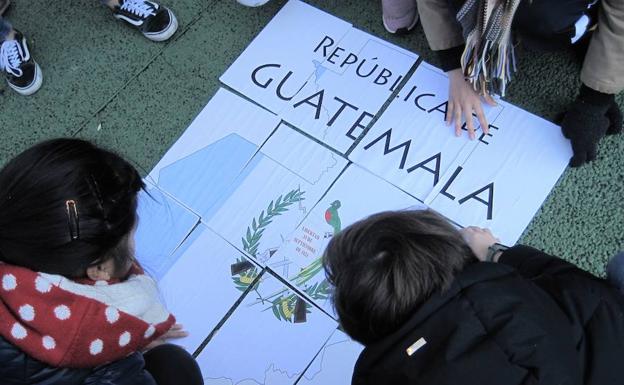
x: 550, y: 25
x: 171, y: 365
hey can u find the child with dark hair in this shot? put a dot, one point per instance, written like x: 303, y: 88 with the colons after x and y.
x: 75, y: 308
x: 434, y: 305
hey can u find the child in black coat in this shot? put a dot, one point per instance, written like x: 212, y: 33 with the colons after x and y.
x: 434, y: 305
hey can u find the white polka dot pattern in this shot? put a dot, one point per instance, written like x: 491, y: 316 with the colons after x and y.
x: 62, y: 312
x: 48, y: 342
x: 27, y: 312
x: 124, y: 339
x: 96, y: 347
x: 42, y: 285
x: 150, y: 331
x: 112, y: 315
x: 18, y: 331
x: 9, y: 282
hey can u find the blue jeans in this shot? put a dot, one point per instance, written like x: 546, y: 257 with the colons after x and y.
x: 615, y: 272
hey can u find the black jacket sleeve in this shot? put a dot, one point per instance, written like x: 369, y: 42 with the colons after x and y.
x: 594, y: 310
x: 450, y: 59
x: 526, y: 325
x: 532, y: 263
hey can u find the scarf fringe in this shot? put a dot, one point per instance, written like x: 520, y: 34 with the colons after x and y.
x: 488, y: 61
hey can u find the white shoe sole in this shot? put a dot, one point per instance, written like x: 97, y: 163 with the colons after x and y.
x: 33, y: 87
x: 252, y: 3
x: 167, y: 32
x: 395, y: 31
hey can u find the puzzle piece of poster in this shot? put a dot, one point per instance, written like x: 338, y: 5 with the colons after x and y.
x: 199, y: 288
x: 264, y: 342
x: 498, y: 180
x: 274, y: 192
x: 284, y: 49
x: 200, y: 167
x: 299, y: 258
x: 507, y: 177
x: 335, y: 362
x: 162, y: 227
x: 410, y: 145
x: 348, y: 88
x: 329, y: 79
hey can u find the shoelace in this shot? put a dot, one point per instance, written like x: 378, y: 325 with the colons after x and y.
x: 139, y: 8
x: 10, y: 58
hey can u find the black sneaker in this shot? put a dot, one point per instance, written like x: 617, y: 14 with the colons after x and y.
x: 155, y: 22
x: 22, y: 73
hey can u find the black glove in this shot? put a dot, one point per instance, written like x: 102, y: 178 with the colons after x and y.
x: 614, y: 114
x: 585, y: 124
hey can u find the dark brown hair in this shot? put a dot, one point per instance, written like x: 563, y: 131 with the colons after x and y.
x: 383, y: 267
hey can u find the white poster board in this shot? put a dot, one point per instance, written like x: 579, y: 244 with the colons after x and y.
x: 263, y: 343
x: 274, y: 192
x: 499, y: 180
x: 199, y: 169
x: 323, y: 76
x: 335, y: 362
x: 199, y: 288
x: 245, y: 204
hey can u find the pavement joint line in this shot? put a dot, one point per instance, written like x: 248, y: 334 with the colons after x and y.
x: 180, y: 34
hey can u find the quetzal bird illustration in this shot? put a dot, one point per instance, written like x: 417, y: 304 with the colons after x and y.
x: 332, y: 218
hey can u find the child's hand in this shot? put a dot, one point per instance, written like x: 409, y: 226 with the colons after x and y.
x: 176, y: 331
x: 479, y: 240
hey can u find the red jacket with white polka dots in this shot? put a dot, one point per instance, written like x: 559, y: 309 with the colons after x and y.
x: 64, y: 323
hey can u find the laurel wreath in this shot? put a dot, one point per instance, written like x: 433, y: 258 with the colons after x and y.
x: 284, y: 303
x: 253, y: 235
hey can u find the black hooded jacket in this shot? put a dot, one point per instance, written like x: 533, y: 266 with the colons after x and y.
x: 529, y: 319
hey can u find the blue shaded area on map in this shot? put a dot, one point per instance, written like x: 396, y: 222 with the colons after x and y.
x: 163, y: 225
x: 206, y: 178
x: 319, y: 70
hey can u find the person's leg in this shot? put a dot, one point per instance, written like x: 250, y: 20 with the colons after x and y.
x: 155, y: 22
x: 615, y: 272
x: 5, y: 29
x: 399, y: 16
x: 543, y: 26
x: 171, y: 365
x: 21, y: 71
x: 4, y: 4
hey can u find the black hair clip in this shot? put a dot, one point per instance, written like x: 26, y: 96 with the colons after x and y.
x: 72, y: 219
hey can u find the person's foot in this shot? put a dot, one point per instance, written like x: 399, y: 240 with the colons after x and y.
x: 252, y: 3
x: 399, y: 16
x: 4, y: 4
x: 155, y: 22
x: 22, y: 73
